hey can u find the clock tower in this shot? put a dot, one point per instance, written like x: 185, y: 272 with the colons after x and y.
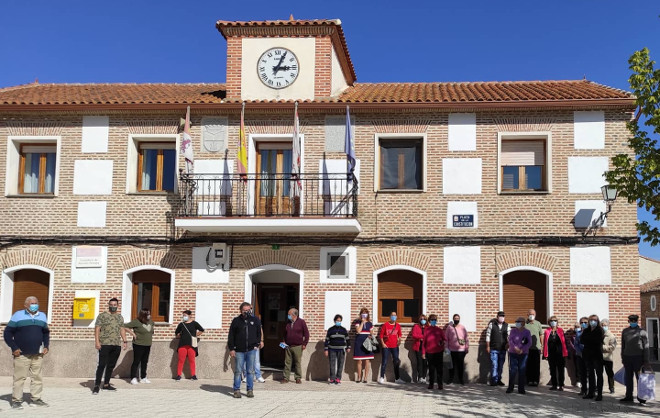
x: 286, y: 60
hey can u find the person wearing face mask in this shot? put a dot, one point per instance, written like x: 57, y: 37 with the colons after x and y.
x: 592, y: 338
x: 390, y: 335
x: 579, y: 349
x: 110, y: 339
x: 28, y: 337
x: 555, y: 351
x: 571, y: 366
x: 142, y: 330
x: 417, y: 335
x: 534, y: 358
x: 634, y: 355
x: 520, y: 340
x: 244, y: 341
x: 433, y: 348
x: 609, y: 344
x: 188, y: 332
x: 363, y: 330
x: 296, y: 336
x: 458, y: 344
x: 497, y: 335
x: 335, y: 348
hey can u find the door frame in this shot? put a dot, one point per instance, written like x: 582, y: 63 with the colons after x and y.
x: 252, y: 162
x: 548, y: 286
x: 657, y: 335
x: 7, y: 289
x: 127, y: 290
x: 268, y: 267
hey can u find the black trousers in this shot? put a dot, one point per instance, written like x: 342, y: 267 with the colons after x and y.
x: 141, y: 358
x: 594, y: 365
x: 632, y: 364
x: 108, y: 355
x: 435, y: 368
x: 556, y: 363
x: 421, y: 365
x: 533, y: 366
x: 458, y: 361
x: 609, y: 371
x: 581, y: 368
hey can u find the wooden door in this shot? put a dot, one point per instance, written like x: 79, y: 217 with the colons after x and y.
x: 273, y: 302
x: 31, y: 282
x: 523, y: 290
x: 273, y: 187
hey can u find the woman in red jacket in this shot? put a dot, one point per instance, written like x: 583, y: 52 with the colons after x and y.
x: 417, y: 335
x: 554, y: 350
x: 433, y: 347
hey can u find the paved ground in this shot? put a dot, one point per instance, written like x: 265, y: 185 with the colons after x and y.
x: 164, y: 398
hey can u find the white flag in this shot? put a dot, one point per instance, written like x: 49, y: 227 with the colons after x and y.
x: 186, y: 144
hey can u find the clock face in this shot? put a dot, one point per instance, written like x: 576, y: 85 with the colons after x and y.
x: 278, y: 68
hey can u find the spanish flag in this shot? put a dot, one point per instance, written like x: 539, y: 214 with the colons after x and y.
x: 242, y: 149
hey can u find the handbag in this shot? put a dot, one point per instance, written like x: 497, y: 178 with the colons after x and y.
x: 370, y: 344
x: 646, y: 385
x: 193, y: 343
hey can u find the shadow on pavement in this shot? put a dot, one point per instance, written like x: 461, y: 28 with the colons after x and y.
x: 224, y: 390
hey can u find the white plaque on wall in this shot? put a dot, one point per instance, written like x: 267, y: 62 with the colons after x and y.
x: 214, y: 133
x: 89, y: 257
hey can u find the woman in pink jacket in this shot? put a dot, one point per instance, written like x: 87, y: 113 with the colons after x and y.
x: 554, y: 350
x: 458, y: 344
x: 417, y: 335
x: 432, y: 349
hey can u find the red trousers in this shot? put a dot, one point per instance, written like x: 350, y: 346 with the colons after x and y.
x: 184, y: 351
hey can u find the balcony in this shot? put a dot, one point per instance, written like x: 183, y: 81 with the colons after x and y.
x: 268, y: 203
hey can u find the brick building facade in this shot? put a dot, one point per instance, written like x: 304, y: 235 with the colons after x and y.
x: 473, y: 197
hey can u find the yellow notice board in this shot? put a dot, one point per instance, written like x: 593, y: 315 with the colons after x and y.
x: 83, y: 308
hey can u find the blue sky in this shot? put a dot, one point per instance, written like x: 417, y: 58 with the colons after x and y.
x: 479, y: 40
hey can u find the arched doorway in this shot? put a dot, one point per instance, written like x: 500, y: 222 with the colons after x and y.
x: 522, y: 290
x: 399, y: 290
x: 31, y: 282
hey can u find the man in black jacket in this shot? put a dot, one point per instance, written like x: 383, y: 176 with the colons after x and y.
x: 592, y: 353
x: 243, y: 342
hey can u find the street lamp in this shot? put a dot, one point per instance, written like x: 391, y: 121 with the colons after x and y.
x: 609, y: 196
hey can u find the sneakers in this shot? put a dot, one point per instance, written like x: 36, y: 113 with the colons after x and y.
x: 237, y: 394
x: 194, y: 377
x: 250, y: 394
x: 332, y: 381
x: 134, y: 381
x: 178, y: 378
x: 298, y: 381
x: 39, y: 402
x: 145, y: 380
x: 337, y: 381
x: 243, y: 379
x: 400, y: 381
x: 422, y: 380
x: 109, y: 388
x: 261, y: 379
x: 96, y: 390
x: 17, y: 405
x: 381, y: 380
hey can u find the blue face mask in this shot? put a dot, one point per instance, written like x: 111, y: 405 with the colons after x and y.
x: 605, y: 328
x: 433, y: 322
x: 593, y: 323
x: 337, y: 323
x: 34, y: 307
x: 633, y: 325
x: 553, y: 323
x: 289, y: 317
x: 519, y: 324
x: 583, y: 325
x: 423, y: 321
x: 393, y: 317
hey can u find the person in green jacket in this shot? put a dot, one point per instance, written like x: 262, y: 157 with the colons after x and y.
x: 534, y: 358
x: 142, y: 330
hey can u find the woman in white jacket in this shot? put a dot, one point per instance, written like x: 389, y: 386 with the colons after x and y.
x: 609, y: 344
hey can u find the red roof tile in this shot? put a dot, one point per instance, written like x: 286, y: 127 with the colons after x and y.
x: 143, y: 95
x: 651, y: 286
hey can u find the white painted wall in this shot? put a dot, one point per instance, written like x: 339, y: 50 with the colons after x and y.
x: 92, y: 177
x: 464, y: 304
x: 208, y: 308
x: 462, y: 208
x: 591, y: 265
x: 91, y: 214
x: 201, y: 273
x: 461, y: 175
x: 95, y: 131
x: 587, y: 211
x: 334, y: 172
x: 338, y: 81
x: 462, y: 265
x: 89, y: 274
x: 462, y: 132
x: 302, y: 89
x: 585, y: 174
x: 351, y: 252
x: 589, y: 129
x: 337, y: 302
x: 592, y: 303
x: 89, y: 323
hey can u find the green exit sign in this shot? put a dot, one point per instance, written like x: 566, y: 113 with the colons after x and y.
x: 275, y: 246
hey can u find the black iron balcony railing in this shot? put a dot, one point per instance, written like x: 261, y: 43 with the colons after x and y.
x: 268, y: 195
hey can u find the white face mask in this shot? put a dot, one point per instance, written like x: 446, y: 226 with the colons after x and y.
x: 531, y: 317
x: 185, y: 318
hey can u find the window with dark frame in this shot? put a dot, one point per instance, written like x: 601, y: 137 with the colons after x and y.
x: 151, y: 290
x: 523, y: 165
x: 37, y: 168
x: 337, y: 265
x: 156, y: 167
x: 399, y: 291
x: 401, y: 164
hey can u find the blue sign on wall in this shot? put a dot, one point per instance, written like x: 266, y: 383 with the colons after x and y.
x: 463, y: 221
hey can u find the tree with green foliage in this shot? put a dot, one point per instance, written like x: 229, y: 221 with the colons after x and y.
x: 638, y: 178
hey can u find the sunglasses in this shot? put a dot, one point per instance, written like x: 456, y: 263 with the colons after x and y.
x: 584, y: 322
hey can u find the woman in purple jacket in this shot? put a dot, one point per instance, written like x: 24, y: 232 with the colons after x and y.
x: 520, y: 339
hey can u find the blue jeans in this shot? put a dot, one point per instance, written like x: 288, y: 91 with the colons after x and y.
x: 394, y: 352
x: 497, y: 364
x: 257, y: 366
x: 517, y: 365
x: 244, y: 362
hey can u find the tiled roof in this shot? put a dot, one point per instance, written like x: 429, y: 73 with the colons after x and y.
x: 367, y: 93
x: 651, y: 286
